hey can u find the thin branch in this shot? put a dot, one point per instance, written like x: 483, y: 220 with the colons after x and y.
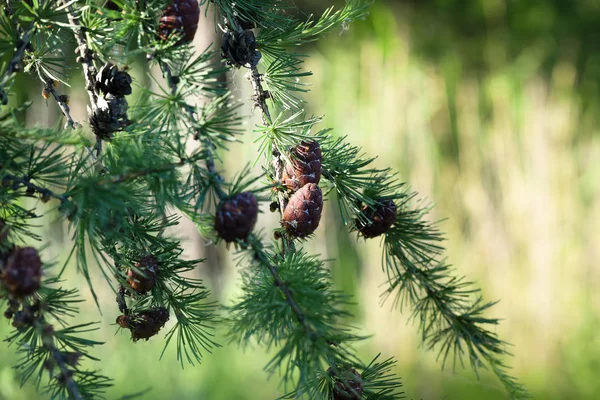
x: 190, y: 112
x: 61, y: 100
x: 87, y: 57
x: 280, y: 283
x: 138, y: 174
x: 45, y: 192
x: 15, y: 63
x: 66, y: 374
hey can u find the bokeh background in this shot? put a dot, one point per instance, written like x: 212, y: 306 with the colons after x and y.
x: 489, y: 109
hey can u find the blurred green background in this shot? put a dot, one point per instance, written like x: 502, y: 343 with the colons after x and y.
x: 489, y: 109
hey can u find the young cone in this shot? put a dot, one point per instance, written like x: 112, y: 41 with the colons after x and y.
x: 303, y: 212
x: 145, y: 324
x: 143, y: 282
x: 235, y: 217
x: 305, y: 167
x: 382, y: 218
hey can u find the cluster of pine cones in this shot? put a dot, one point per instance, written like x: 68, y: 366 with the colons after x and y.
x: 141, y: 280
x: 110, y: 115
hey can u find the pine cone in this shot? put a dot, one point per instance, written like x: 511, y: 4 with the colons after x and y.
x: 145, y: 324
x: 239, y: 48
x: 23, y: 273
x: 142, y: 284
x: 110, y: 80
x: 182, y: 17
x: 303, y: 212
x: 306, y: 166
x: 382, y: 217
x: 348, y: 385
x: 236, y: 217
x: 110, y: 116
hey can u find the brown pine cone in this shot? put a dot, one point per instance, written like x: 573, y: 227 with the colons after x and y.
x: 145, y: 324
x: 348, y: 385
x: 305, y: 167
x: 23, y: 273
x: 236, y: 216
x: 142, y: 284
x: 303, y: 212
x: 182, y: 17
x: 382, y: 217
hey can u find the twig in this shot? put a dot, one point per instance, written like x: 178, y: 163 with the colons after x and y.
x: 190, y: 112
x: 14, y: 65
x: 87, y: 58
x: 15, y: 62
x: 260, y: 101
x: 45, y: 192
x: 61, y: 100
x: 66, y: 375
x: 138, y: 174
x: 280, y: 283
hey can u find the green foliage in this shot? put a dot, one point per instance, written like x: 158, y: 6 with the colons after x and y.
x: 118, y: 197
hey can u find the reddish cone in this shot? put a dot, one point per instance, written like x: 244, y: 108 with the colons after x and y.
x: 303, y: 212
x: 305, y: 167
x: 145, y: 324
x: 181, y: 16
x: 382, y: 217
x: 236, y: 217
x: 143, y: 283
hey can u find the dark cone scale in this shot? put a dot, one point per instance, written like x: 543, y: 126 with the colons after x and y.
x: 239, y: 48
x: 110, y: 116
x: 303, y: 212
x: 382, y: 217
x: 146, y: 280
x: 236, y: 216
x: 348, y: 384
x: 182, y: 17
x: 110, y: 80
x: 145, y: 324
x: 23, y: 273
x: 305, y: 167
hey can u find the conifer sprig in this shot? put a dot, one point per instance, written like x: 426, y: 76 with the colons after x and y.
x: 46, y: 348
x: 116, y: 200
